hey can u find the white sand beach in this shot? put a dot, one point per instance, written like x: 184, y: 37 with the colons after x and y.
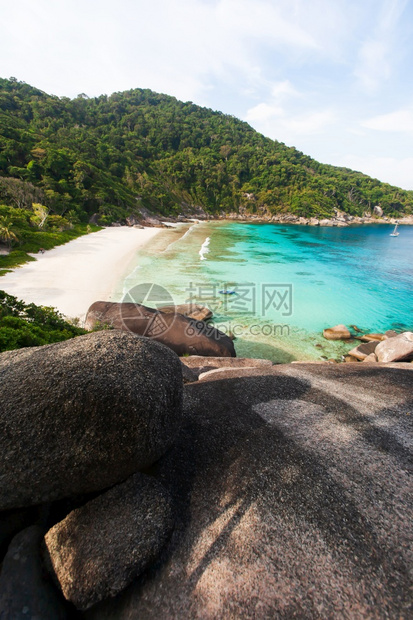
x: 71, y: 277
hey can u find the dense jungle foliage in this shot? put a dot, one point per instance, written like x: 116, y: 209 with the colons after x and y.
x: 114, y: 154
x: 28, y: 325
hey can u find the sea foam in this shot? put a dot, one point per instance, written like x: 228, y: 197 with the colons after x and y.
x: 204, y: 249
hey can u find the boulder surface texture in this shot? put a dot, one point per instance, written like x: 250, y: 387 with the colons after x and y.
x: 293, y: 492
x: 98, y: 549
x: 25, y: 591
x: 183, y: 335
x: 81, y: 415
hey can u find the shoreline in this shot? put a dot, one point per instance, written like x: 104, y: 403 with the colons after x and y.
x: 288, y: 218
x: 72, y: 276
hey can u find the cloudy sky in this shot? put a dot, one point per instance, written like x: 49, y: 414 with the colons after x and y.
x: 330, y: 77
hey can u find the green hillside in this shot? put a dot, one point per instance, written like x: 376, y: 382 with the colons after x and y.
x: 114, y: 154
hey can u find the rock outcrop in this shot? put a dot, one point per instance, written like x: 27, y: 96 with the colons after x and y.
x: 395, y: 349
x: 81, y: 415
x: 98, y: 549
x: 293, y: 492
x: 179, y: 333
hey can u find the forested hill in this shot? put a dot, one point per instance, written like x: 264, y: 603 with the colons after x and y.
x: 115, y: 154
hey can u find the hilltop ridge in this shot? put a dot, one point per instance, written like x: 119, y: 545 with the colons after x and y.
x: 113, y: 155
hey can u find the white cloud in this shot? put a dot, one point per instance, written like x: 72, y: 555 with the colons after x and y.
x: 310, y: 123
x: 263, y: 112
x: 398, y: 172
x: 378, y: 51
x: 284, y: 89
x: 278, y: 124
x: 399, y: 120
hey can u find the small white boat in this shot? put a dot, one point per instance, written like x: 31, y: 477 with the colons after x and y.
x: 395, y: 233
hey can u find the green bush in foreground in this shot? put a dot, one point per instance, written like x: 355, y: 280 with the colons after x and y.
x: 28, y: 325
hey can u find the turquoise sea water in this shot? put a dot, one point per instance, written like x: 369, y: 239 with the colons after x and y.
x: 290, y: 282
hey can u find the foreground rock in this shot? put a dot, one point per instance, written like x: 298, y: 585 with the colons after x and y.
x: 293, y: 489
x: 199, y: 361
x: 100, y: 548
x: 395, y: 349
x: 338, y: 332
x: 81, y: 415
x: 179, y: 333
x: 25, y: 591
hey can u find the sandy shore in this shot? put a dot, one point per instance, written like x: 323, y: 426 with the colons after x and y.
x: 72, y: 276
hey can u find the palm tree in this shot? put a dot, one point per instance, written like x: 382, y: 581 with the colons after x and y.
x: 7, y: 235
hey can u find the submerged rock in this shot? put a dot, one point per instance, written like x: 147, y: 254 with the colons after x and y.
x: 79, y: 416
x: 370, y: 337
x: 98, y: 549
x: 338, y: 332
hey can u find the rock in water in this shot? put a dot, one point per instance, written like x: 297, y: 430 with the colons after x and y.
x: 81, y: 415
x: 101, y: 547
x: 396, y: 348
x: 338, y: 332
x: 25, y: 593
x: 363, y: 350
x: 178, y: 332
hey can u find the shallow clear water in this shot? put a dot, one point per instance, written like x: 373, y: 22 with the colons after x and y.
x: 290, y: 282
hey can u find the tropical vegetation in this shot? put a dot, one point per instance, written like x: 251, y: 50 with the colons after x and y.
x: 113, y: 155
x: 28, y: 325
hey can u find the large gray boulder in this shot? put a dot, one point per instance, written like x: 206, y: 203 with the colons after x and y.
x: 25, y: 590
x: 294, y: 493
x: 396, y: 349
x: 179, y: 333
x: 98, y: 549
x: 82, y: 415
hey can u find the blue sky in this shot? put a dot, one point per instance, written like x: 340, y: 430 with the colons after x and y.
x: 332, y: 78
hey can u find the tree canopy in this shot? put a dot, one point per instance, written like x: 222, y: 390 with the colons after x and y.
x: 28, y: 325
x: 114, y: 154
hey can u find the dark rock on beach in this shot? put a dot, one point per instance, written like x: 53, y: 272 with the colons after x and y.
x: 98, y: 549
x: 179, y: 333
x: 82, y: 415
x: 26, y: 592
x: 293, y: 492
